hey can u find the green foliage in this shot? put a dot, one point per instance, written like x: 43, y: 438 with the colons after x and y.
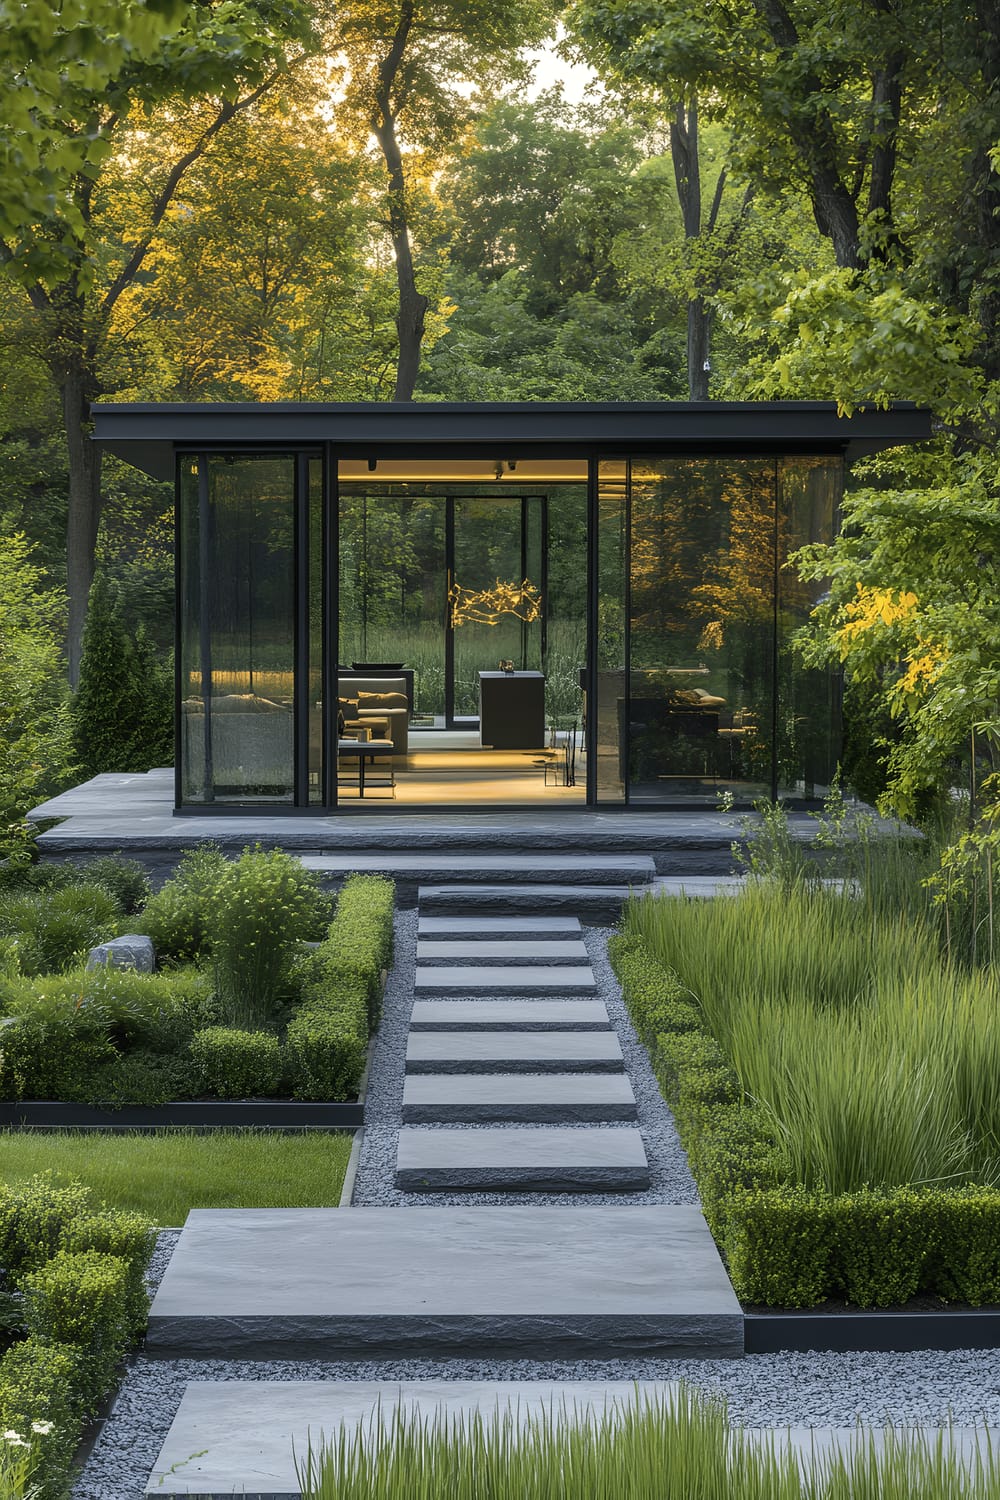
x: 234, y: 1064
x: 126, y: 879
x: 341, y: 982
x: 34, y: 725
x: 34, y: 1216
x: 678, y: 1447
x: 178, y: 916
x: 131, y: 1238
x: 139, y: 1076
x: 163, y: 1174
x: 54, y: 929
x: 83, y: 1298
x: 123, y: 705
x: 266, y: 905
x: 40, y: 1383
x: 791, y: 1234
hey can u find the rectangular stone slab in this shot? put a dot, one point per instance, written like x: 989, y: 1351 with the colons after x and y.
x: 502, y: 951
x: 528, y: 1281
x: 598, y: 904
x: 526, y: 1098
x: 446, y: 929
x: 512, y: 979
x: 509, y: 1015
x: 535, y: 866
x: 236, y: 1437
x: 540, y: 1160
x: 513, y: 1052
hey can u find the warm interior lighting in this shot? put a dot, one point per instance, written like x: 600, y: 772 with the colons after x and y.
x: 485, y: 606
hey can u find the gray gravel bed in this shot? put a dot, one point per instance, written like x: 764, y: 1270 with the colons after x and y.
x: 764, y: 1390
x: 670, y: 1176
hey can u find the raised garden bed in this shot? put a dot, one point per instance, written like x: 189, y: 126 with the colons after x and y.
x: 892, y: 1266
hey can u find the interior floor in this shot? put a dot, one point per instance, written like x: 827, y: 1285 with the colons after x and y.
x: 450, y: 766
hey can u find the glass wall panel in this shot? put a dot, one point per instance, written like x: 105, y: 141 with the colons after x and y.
x: 393, y: 587
x: 237, y: 628
x: 604, y: 718
x: 809, y: 700
x: 698, y: 717
x: 316, y: 631
x: 491, y: 563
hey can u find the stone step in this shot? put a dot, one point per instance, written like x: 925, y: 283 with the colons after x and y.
x: 514, y: 1052
x: 509, y: 1015
x: 531, y: 1160
x: 505, y: 979
x: 529, y: 1281
x: 240, y: 1437
x: 540, y: 868
x: 518, y: 1098
x: 504, y: 951
x: 492, y: 929
x: 598, y: 905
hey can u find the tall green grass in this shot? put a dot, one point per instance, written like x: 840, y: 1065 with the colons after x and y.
x: 878, y: 1062
x: 681, y: 1448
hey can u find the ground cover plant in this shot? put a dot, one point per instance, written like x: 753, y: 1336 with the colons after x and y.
x: 681, y: 1448
x: 72, y: 1300
x: 837, y: 1086
x: 259, y: 993
x: 164, y: 1175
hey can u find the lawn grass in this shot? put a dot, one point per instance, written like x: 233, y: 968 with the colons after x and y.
x: 165, y: 1174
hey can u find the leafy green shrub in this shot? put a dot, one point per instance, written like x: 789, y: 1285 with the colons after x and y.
x: 126, y: 880
x: 33, y: 1219
x: 341, y: 984
x: 233, y: 1064
x: 55, y: 928
x: 51, y: 1056
x: 178, y: 917
x: 131, y: 1238
x: 140, y: 1076
x: 83, y: 1298
x: 39, y: 1383
x: 267, y: 904
x: 655, y: 996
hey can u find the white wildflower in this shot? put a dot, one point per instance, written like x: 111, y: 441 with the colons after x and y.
x: 42, y: 1428
x: 15, y: 1439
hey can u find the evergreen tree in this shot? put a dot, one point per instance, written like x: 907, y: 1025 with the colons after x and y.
x: 121, y: 718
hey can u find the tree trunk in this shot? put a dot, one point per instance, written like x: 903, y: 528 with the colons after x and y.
x: 697, y: 349
x: 77, y: 390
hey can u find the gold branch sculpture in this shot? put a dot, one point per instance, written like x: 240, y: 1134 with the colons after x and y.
x: 485, y: 606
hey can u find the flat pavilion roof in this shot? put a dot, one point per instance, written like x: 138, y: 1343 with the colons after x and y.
x: 148, y: 434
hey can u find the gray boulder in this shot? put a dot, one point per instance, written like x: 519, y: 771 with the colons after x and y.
x: 128, y: 952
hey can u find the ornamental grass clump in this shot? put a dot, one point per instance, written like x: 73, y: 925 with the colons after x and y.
x: 51, y: 930
x: 877, y: 1063
x: 681, y: 1447
x: 265, y: 906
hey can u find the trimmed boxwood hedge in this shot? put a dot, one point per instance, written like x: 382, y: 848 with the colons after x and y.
x: 785, y: 1246
x: 78, y: 1272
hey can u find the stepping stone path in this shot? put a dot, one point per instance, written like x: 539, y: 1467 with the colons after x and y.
x: 506, y: 1034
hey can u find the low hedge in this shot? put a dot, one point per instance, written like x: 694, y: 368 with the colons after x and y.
x: 785, y: 1246
x: 327, y: 1039
x: 79, y: 1275
x: 234, y: 1064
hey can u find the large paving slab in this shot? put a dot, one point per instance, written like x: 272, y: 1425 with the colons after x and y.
x: 509, y: 1015
x: 517, y: 1098
x: 510, y: 979
x: 448, y: 929
x: 502, y: 951
x: 600, y: 905
x: 539, y: 1160
x: 503, y: 868
x: 513, y: 1052
x: 236, y: 1437
x: 528, y: 1281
